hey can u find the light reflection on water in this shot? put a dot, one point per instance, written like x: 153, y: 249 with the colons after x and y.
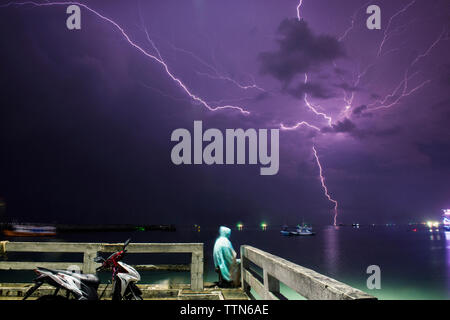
x: 331, y: 249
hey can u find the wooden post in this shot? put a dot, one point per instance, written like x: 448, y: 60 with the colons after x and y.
x: 244, y: 266
x: 88, y: 259
x: 197, y: 270
x: 3, y: 247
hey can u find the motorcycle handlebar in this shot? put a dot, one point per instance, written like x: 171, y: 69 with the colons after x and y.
x: 117, y: 256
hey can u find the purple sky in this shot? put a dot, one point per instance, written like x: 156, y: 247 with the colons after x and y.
x: 86, y: 117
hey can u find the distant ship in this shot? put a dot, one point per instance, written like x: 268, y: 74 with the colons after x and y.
x: 26, y: 230
x: 301, y: 230
x: 446, y: 219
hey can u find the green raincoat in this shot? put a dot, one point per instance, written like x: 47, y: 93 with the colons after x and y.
x: 224, y: 254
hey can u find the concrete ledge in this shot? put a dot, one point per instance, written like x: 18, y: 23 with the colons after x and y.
x: 306, y: 282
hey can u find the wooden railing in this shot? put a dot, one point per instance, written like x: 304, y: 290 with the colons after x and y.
x: 90, y: 251
x: 306, y: 282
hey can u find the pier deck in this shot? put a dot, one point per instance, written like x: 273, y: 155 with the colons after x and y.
x: 261, y: 273
x: 16, y: 291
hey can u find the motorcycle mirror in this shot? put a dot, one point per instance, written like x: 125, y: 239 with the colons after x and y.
x: 126, y: 243
x: 99, y: 259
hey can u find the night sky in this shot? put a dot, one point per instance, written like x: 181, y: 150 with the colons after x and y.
x: 86, y: 117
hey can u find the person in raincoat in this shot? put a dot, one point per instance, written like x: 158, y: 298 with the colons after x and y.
x: 225, y: 262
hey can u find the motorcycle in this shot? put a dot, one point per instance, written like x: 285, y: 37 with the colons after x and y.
x: 84, y: 286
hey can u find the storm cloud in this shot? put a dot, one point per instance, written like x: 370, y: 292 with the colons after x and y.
x: 300, y: 51
x: 345, y: 125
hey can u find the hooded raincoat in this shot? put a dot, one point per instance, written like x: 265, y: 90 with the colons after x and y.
x: 224, y: 254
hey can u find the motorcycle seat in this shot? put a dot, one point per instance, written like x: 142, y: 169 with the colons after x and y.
x: 89, y: 279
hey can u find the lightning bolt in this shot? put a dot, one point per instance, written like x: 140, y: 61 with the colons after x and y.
x: 158, y: 58
x: 387, y: 34
x: 404, y: 83
x: 164, y: 94
x: 298, y: 125
x: 402, y: 90
x: 216, y: 75
x: 427, y: 52
x: 324, y: 186
x: 305, y: 97
x: 300, y: 3
x: 152, y: 43
x: 306, y: 124
x: 352, y: 22
x: 405, y: 93
x: 313, y: 108
x: 387, y: 102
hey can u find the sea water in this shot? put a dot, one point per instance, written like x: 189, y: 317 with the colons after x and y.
x: 413, y: 265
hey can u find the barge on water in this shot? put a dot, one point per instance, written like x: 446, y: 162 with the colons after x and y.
x: 27, y: 230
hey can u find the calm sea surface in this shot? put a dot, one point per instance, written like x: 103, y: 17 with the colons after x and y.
x: 414, y: 265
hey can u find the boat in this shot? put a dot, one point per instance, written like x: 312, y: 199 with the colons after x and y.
x: 446, y: 219
x: 25, y: 230
x: 303, y: 231
x: 285, y: 232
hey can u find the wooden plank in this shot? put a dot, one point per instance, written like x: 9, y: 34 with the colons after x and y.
x: 306, y: 282
x: 16, y: 265
x: 48, y: 247
x: 163, y: 267
x: 155, y: 247
x: 103, y: 247
x: 20, y: 265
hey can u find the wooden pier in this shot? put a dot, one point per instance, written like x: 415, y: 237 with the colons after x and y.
x: 261, y: 273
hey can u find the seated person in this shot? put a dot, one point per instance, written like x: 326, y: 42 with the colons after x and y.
x: 225, y: 260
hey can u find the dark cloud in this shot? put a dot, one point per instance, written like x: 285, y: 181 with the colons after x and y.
x: 345, y: 125
x: 361, y: 111
x: 300, y: 50
x: 350, y: 127
x: 375, y: 96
